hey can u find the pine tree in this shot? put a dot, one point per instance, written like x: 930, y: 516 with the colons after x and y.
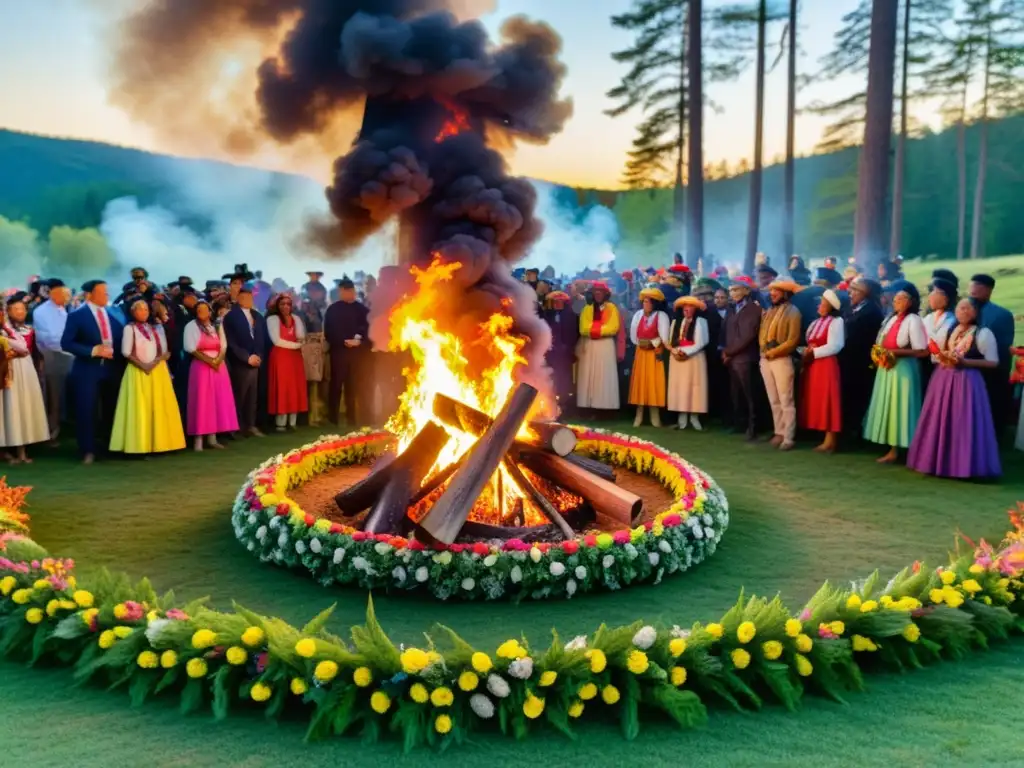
x: 788, y: 242
x: 695, y: 68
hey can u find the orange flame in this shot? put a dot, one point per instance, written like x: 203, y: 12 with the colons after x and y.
x: 457, y: 122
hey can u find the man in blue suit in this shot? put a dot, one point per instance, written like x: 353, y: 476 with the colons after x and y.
x: 246, y: 332
x: 93, y: 336
x: 999, y: 320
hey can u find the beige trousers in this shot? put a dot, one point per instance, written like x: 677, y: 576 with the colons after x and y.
x: 778, y: 375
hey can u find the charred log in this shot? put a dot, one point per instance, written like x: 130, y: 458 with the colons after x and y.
x: 593, y: 466
x: 557, y: 438
x: 363, y: 494
x: 538, y: 498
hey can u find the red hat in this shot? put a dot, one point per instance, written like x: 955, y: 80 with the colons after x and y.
x: 745, y: 280
x: 679, y: 269
x: 843, y: 286
x: 599, y: 285
x: 661, y: 271
x: 628, y: 276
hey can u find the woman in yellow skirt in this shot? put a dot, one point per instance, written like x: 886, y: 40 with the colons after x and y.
x: 147, y: 419
x: 649, y: 333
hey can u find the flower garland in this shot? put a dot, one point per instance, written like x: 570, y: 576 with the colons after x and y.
x: 279, y: 531
x: 442, y: 692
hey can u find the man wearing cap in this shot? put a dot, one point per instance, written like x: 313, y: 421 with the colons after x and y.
x: 561, y: 357
x: 49, y: 320
x: 862, y: 322
x: 347, y: 330
x: 236, y: 280
x: 765, y: 275
x: 999, y: 320
x: 248, y: 343
x: 779, y: 336
x: 740, y: 353
x: 597, y: 384
x: 827, y: 277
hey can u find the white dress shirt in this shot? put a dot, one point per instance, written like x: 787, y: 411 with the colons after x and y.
x: 49, y: 320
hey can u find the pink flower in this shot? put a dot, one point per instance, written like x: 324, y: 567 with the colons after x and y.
x: 671, y: 521
x: 133, y: 610
x: 621, y: 537
x: 805, y: 614
x: 570, y: 547
x: 176, y: 614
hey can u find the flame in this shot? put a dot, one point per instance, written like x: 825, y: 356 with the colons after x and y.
x: 457, y: 122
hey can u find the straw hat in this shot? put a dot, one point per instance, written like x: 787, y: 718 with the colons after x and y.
x: 692, y: 301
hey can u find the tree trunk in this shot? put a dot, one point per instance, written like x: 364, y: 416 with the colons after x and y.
x: 979, y: 185
x: 788, y: 243
x: 961, y: 163
x: 896, y: 235
x: 754, y: 209
x: 695, y: 99
x: 679, y: 191
x: 870, y: 226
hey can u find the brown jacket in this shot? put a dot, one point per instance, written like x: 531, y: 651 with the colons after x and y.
x: 739, y: 332
x: 780, y: 324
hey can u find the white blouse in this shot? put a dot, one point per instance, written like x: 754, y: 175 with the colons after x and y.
x: 662, y: 320
x: 700, y: 336
x: 133, y: 342
x: 15, y: 340
x: 938, y: 325
x: 912, y: 334
x: 984, y: 340
x: 834, y: 341
x: 274, y: 331
x: 192, y: 335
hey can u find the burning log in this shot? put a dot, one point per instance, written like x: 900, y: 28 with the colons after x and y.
x: 436, y: 482
x: 593, y: 466
x: 557, y: 438
x: 607, y: 499
x: 363, y: 494
x: 538, y: 498
x: 484, y: 531
x: 407, y: 473
x: 446, y: 518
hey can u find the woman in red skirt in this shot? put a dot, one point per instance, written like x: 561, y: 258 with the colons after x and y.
x: 820, y: 405
x: 287, y: 387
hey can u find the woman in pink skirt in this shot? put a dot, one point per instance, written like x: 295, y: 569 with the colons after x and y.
x: 211, y: 403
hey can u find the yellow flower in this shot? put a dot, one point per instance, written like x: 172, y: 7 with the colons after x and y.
x: 794, y: 627
x: 1003, y: 583
x: 442, y: 724
x: 976, y: 569
x: 677, y: 647
x: 861, y: 643
x: 106, y: 639
x: 533, y: 707
x: 481, y: 662
x: 362, y: 677
x: 83, y: 599
x: 41, y: 584
x: 152, y: 616
x: 610, y: 694
x: 803, y: 666
x: 953, y: 598
x: 853, y: 602
x: 203, y: 638
x: 34, y: 615
x: 947, y: 577
x: 576, y: 709
x: 196, y: 668
x: 547, y: 678
x: 715, y: 630
x: 637, y: 662
x: 21, y: 596
x: 936, y: 596
x: 380, y: 702
x: 986, y: 600
x: 260, y: 692
x: 972, y: 586
x: 909, y: 604
x: 89, y: 614
x: 468, y: 681
x: 7, y: 584
x: 511, y: 649
x: 837, y: 627
x: 804, y: 643
x: 306, y: 648
x: 740, y: 658
x: 123, y: 632
x: 587, y: 691
x: 418, y: 693
x: 678, y: 676
x: 326, y: 671
x: 869, y: 606
x: 772, y: 649
x: 168, y: 659
x: 745, y: 632
x: 148, y: 660
x: 598, y: 661
x: 885, y: 601
x: 442, y: 697
x: 253, y: 637
x: 120, y: 611
x: 912, y: 632
x: 52, y: 607
x: 434, y: 657
x: 414, y: 661
x: 298, y: 686
x: 237, y: 656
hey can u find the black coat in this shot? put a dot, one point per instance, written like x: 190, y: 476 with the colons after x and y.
x: 739, y: 334
x: 858, y: 377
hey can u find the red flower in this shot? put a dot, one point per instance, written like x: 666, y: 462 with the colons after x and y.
x: 514, y: 544
x: 543, y: 546
x: 309, y: 520
x: 283, y: 510
x: 621, y: 537
x: 416, y: 545
x: 457, y: 548
x: 570, y: 547
x: 335, y: 527
x: 397, y: 542
x: 671, y: 521
x: 440, y: 546
x: 648, y: 525
x: 481, y: 549
x: 360, y: 536
x: 590, y: 540
x: 384, y: 537
x: 917, y: 566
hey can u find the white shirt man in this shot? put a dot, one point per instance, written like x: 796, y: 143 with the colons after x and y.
x: 48, y: 321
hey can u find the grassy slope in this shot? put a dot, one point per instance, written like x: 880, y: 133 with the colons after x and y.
x: 798, y: 519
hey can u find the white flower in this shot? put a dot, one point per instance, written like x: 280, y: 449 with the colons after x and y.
x: 359, y: 563
x: 578, y: 643
x: 443, y: 558
x: 339, y: 555
x: 498, y: 686
x: 645, y: 637
x: 516, y: 574
x: 155, y: 629
x: 398, y: 574
x: 709, y: 533
x: 282, y: 540
x: 251, y: 546
x: 697, y: 532
x: 609, y: 561
x: 536, y: 554
x: 261, y: 533
x: 677, y: 632
x: 381, y: 547
x: 300, y: 547
x: 654, y: 558
x: 482, y: 706
x: 631, y: 551
x: 556, y: 568
x: 468, y: 584
x: 315, y: 545
x: 570, y: 587
x: 581, y: 572
x: 692, y: 521
x: 489, y: 561
x: 521, y: 668
x: 252, y: 518
x: 422, y: 574
x: 665, y: 547
x: 707, y: 519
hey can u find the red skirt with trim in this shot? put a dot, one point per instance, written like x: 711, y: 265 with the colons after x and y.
x: 820, y: 406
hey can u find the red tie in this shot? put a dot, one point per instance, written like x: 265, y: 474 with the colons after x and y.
x: 101, y: 318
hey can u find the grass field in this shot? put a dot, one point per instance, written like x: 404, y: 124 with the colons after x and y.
x: 797, y: 519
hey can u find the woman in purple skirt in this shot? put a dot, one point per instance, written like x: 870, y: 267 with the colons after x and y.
x: 955, y: 436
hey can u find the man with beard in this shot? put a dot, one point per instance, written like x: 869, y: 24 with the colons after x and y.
x: 740, y: 353
x: 999, y: 320
x: 862, y: 321
x: 778, y: 339
x: 561, y: 357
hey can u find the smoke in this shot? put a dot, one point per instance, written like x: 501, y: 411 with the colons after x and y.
x: 574, y: 239
x: 20, y: 254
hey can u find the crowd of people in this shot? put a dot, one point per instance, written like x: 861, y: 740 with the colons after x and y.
x: 845, y: 355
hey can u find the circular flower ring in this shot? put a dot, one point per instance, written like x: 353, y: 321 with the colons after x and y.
x: 279, y: 531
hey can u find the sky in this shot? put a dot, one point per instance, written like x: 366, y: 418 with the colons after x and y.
x: 53, y: 60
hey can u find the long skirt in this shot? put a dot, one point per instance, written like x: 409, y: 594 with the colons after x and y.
x: 147, y: 419
x: 688, y: 384
x: 24, y: 420
x: 287, y: 391
x: 895, y: 404
x: 956, y: 436
x: 647, y: 381
x: 820, y: 406
x: 597, y: 378
x: 211, y: 401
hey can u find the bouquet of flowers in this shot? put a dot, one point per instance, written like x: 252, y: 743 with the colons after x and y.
x: 882, y: 357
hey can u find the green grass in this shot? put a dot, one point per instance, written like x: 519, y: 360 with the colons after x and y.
x: 797, y: 519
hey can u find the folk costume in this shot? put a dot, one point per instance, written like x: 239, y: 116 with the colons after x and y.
x: 687, y: 365
x: 24, y: 410
x: 649, y: 333
x: 147, y: 419
x: 820, y: 404
x: 561, y: 357
x: 778, y: 339
x: 211, y: 399
x: 955, y: 435
x: 597, y: 376
x: 287, y: 387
